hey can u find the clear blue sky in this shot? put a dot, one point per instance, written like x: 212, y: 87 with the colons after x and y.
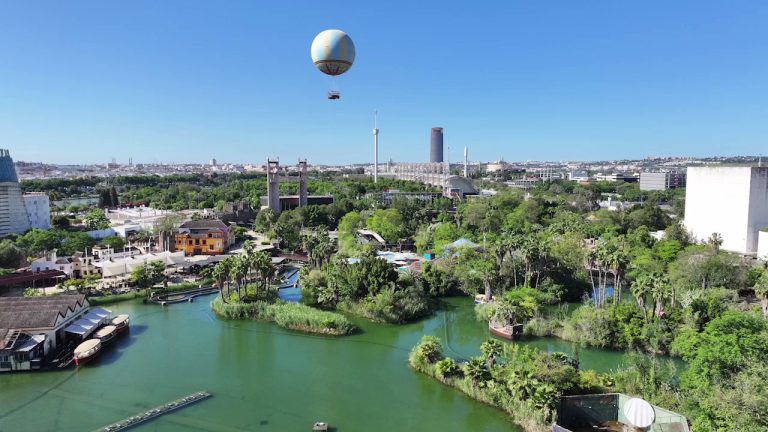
x: 184, y: 81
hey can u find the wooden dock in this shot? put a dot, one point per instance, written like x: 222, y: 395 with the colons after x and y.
x: 155, y: 412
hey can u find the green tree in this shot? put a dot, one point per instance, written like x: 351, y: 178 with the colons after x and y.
x: 387, y: 223
x: 761, y: 291
x: 141, y: 277
x: 96, y: 220
x: 476, y: 370
x: 478, y: 270
x: 76, y: 242
x: 347, y: 232
x: 60, y: 222
x: 491, y: 349
x: 11, y: 256
x: 37, y: 240
x: 156, y: 271
x: 114, y: 242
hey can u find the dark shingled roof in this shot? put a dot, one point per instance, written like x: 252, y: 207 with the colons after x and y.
x: 205, y: 224
x: 21, y: 313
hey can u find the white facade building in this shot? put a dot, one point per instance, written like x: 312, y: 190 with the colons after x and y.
x: 38, y: 210
x: 53, y: 262
x: 730, y: 201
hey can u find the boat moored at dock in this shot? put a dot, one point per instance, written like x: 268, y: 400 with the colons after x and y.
x: 86, y: 351
x: 121, y: 323
x: 106, y: 334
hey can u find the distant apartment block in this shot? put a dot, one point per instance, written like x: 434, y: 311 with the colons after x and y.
x: 661, y: 180
x: 578, y: 175
x: 617, y: 177
x: 38, y: 210
x: 731, y: 201
x: 13, y: 213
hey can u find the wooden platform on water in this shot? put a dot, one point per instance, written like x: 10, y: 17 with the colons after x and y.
x: 155, y: 412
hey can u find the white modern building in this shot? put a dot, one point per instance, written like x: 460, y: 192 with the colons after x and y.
x: 13, y: 214
x: 38, y: 210
x: 730, y: 201
x: 661, y: 180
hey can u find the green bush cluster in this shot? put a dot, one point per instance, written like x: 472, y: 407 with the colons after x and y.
x: 522, y: 381
x: 287, y: 315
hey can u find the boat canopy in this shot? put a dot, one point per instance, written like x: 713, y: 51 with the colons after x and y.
x: 87, y: 347
x: 100, y: 312
x: 105, y: 331
x: 120, y: 319
x: 81, y: 327
x: 95, y: 318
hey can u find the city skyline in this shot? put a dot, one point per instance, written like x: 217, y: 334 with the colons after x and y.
x: 530, y: 82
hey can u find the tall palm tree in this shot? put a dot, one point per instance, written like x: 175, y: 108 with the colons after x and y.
x: 641, y: 288
x: 660, y: 292
x: 221, y: 275
x: 238, y: 272
x: 618, y: 261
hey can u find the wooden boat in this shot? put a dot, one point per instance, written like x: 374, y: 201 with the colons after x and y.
x: 106, y: 334
x: 121, y: 323
x: 86, y: 351
x: 510, y: 332
x: 320, y: 426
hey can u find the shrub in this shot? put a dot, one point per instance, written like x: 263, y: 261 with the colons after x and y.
x: 287, y: 315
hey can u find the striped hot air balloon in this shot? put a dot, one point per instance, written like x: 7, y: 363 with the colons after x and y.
x: 333, y: 52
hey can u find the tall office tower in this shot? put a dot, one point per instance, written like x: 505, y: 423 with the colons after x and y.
x: 13, y: 213
x: 436, y: 145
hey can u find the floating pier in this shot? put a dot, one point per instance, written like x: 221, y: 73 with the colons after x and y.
x: 182, y: 296
x: 155, y: 412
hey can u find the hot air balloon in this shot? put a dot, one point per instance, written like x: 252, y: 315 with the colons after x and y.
x: 333, y: 54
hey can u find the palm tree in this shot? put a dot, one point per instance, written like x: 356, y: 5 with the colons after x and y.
x: 221, y: 275
x: 618, y: 261
x: 491, y: 350
x: 715, y: 240
x: 239, y: 271
x: 476, y: 370
x: 641, y: 288
x: 660, y: 292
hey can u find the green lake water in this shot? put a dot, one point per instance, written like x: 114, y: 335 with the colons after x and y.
x: 263, y: 378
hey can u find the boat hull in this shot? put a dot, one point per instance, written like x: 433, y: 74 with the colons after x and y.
x: 509, y: 332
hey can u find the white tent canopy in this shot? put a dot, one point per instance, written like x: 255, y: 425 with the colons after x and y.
x: 639, y: 413
x: 122, y: 266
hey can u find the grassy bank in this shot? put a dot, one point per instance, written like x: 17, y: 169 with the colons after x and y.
x: 287, y: 315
